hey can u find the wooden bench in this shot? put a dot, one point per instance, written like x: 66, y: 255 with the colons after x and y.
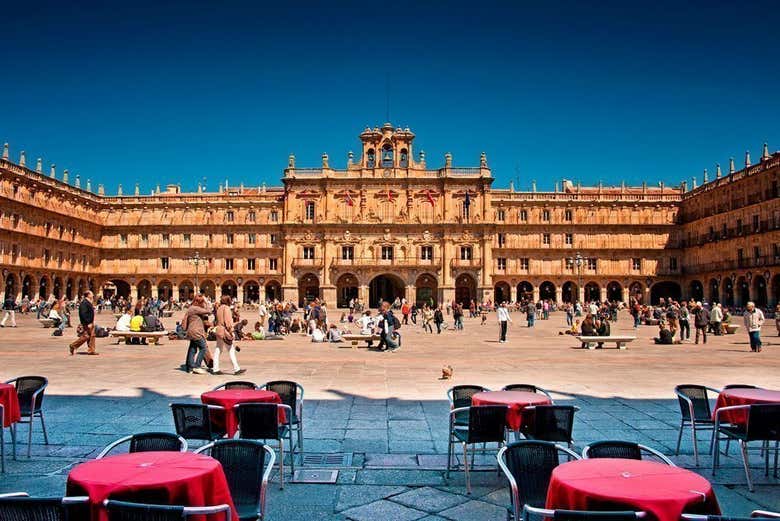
x: 46, y: 322
x: 619, y: 341
x: 356, y: 339
x: 153, y: 336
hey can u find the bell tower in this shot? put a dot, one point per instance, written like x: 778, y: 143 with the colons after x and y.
x: 387, y: 147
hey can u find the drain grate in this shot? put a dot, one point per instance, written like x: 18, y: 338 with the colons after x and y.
x: 338, y: 459
x: 315, y: 476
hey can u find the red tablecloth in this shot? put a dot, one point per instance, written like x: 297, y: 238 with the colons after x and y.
x: 175, y: 478
x: 10, y: 403
x: 664, y: 492
x: 742, y: 396
x: 232, y: 397
x: 515, y: 400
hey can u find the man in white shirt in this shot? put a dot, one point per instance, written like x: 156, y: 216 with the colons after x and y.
x: 123, y: 322
x: 262, y: 311
x: 503, y: 321
x: 716, y: 317
x: 754, y: 319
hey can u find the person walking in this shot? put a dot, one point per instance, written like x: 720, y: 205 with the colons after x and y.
x: 427, y: 318
x: 387, y: 326
x: 438, y: 319
x: 457, y: 315
x: 502, y: 313
x: 685, y: 325
x: 701, y: 321
x: 225, y: 336
x: 754, y: 319
x: 9, y: 306
x: 87, y: 320
x: 194, y: 323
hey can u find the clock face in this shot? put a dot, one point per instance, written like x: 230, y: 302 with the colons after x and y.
x: 388, y: 172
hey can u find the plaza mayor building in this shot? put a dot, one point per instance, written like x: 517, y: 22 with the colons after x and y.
x: 392, y: 225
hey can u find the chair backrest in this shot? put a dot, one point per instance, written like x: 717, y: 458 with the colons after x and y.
x: 460, y: 395
x: 26, y: 386
x: 553, y: 422
x: 698, y: 396
x: 193, y: 421
x: 287, y: 391
x: 487, y: 423
x: 258, y: 421
x: 530, y: 388
x: 530, y: 463
x: 740, y: 386
x: 613, y: 449
x: 580, y: 515
x: 237, y: 385
x: 21, y: 508
x: 764, y: 422
x: 155, y: 442
x: 245, y: 462
x: 125, y: 511
x: 765, y: 514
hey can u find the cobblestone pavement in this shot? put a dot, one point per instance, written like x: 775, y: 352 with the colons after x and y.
x: 389, y: 411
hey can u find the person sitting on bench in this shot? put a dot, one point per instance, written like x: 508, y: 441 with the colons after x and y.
x: 136, y: 324
x: 665, y: 335
x: 588, y: 328
x: 602, y: 329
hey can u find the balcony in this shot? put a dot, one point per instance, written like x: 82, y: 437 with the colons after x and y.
x: 371, y: 261
x: 466, y: 263
x: 728, y: 265
x: 300, y: 262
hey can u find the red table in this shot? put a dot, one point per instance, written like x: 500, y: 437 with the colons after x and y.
x: 10, y: 402
x: 515, y: 400
x: 176, y: 478
x: 743, y: 396
x: 663, y: 491
x: 228, y: 398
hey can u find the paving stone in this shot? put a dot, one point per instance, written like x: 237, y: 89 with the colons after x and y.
x: 400, y: 477
x: 475, y: 511
x: 365, y: 434
x: 366, y: 424
x: 391, y: 460
x: 304, y: 496
x: 383, y: 509
x: 356, y: 495
x: 429, y: 499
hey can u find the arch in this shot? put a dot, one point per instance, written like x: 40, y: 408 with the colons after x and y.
x: 502, y: 293
x: 164, y: 290
x: 117, y: 287
x: 70, y: 288
x: 44, y: 287
x: 28, y: 287
x: 665, y: 290
x: 714, y: 293
x: 385, y: 287
x: 743, y: 292
x: 387, y: 155
x: 186, y: 291
x: 56, y: 287
x: 81, y: 286
x: 776, y: 290
x: 144, y: 289
x: 760, y: 291
x: 308, y: 288
x: 427, y: 290
x: 370, y: 158
x: 636, y: 290
x: 547, y: 291
x: 569, y: 292
x: 465, y: 289
x: 525, y: 291
x: 403, y: 158
x: 592, y: 292
x: 696, y: 289
x: 11, y: 284
x: 346, y: 289
x: 273, y: 290
x: 209, y: 289
x: 728, y: 292
x: 229, y: 287
x: 614, y: 291
x: 251, y: 291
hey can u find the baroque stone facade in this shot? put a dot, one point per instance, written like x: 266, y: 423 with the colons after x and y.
x: 387, y: 226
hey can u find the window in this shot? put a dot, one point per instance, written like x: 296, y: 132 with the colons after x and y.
x: 250, y: 264
x: 273, y: 264
x: 251, y: 238
x: 591, y: 264
x: 123, y: 239
x: 756, y: 224
x: 144, y: 239
x: 546, y: 238
x: 740, y: 256
x: 465, y: 253
x: 187, y: 239
x: 523, y: 215
x: 251, y: 216
x: 274, y: 216
x: 673, y: 263
x: 229, y: 238
x: 501, y: 240
x: 501, y: 263
x: 83, y: 261
x: 525, y: 263
x: 546, y: 215
x: 46, y: 256
x: 15, y: 217
x: 756, y: 252
x: 569, y: 239
x: 776, y: 249
x: 387, y: 156
x: 230, y: 216
x: 309, y: 211
x: 501, y: 215
x: 48, y: 228
x: 567, y: 215
x: 739, y: 226
x: 308, y: 252
x: 370, y: 158
x: 347, y: 253
x: 166, y: 239
x: 403, y: 160
x: 387, y: 253
x: 426, y: 253
x: 165, y: 263
x: 724, y: 232
x: 636, y: 264
x: 273, y: 238
x: 228, y: 264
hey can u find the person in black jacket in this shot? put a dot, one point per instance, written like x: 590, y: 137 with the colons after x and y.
x: 701, y: 320
x: 588, y: 328
x: 87, y: 319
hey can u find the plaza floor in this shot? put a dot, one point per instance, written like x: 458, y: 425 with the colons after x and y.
x: 388, y: 411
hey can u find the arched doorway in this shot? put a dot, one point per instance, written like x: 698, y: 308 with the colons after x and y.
x: 70, y: 287
x: 43, y: 287
x: 346, y: 289
x: 665, y: 290
x: 230, y: 288
x: 209, y: 289
x: 251, y: 291
x: 547, y: 291
x: 28, y: 287
x: 10, y: 286
x: 186, y: 291
x: 427, y: 289
x: 465, y: 289
x: 614, y: 291
x: 776, y: 290
x: 636, y: 291
x: 697, y: 290
x: 57, y: 288
x: 144, y: 289
x: 502, y: 293
x: 592, y: 292
x: 164, y: 290
x: 385, y: 287
x: 117, y: 287
x: 728, y: 292
x: 714, y: 295
x: 308, y: 288
x: 273, y: 290
x: 569, y: 292
x: 743, y: 292
x: 525, y: 291
x: 760, y: 292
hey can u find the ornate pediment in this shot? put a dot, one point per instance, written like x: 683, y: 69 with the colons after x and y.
x: 308, y: 193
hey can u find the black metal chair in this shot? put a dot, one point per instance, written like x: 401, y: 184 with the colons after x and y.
x: 485, y: 424
x: 194, y: 421
x: 260, y: 421
x: 236, y: 385
x: 763, y: 424
x: 622, y: 449
x: 291, y: 394
x: 765, y: 514
x: 148, y: 442
x: 739, y: 386
x: 756, y: 515
x: 460, y: 397
x: 529, y: 388
x: 125, y: 511
x: 2, y: 439
x: 247, y: 473
x: 29, y: 391
x: 695, y: 412
x: 551, y: 423
x: 579, y: 515
x: 19, y: 506
x: 528, y: 465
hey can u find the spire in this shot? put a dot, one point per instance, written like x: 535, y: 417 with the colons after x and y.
x: 157, y: 191
x: 5, y: 150
x: 137, y: 189
x: 200, y: 188
x: 747, y: 158
x: 39, y: 165
x: 718, y: 173
x: 732, y: 169
x: 78, y: 180
x: 89, y: 185
x: 693, y: 183
x: 765, y: 152
x: 350, y: 157
x: 705, y: 178
x: 101, y: 190
x: 119, y: 190
x: 684, y: 186
x: 22, y: 158
x: 483, y: 160
x: 447, y: 160
x: 511, y: 186
x: 53, y: 171
x: 325, y: 160
x: 220, y: 188
x: 65, y: 176
x: 291, y: 161
x: 533, y: 185
x: 262, y: 187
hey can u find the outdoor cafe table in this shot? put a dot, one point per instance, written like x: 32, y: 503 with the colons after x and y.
x: 516, y: 401
x: 743, y: 396
x: 663, y: 491
x: 174, y: 478
x: 229, y: 398
x: 10, y: 402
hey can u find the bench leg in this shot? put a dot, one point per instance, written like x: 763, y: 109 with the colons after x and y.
x: 591, y: 346
x: 621, y: 345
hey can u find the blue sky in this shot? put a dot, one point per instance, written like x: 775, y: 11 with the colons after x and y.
x: 178, y: 92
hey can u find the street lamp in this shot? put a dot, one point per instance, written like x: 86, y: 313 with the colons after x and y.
x: 577, y: 261
x: 196, y: 260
